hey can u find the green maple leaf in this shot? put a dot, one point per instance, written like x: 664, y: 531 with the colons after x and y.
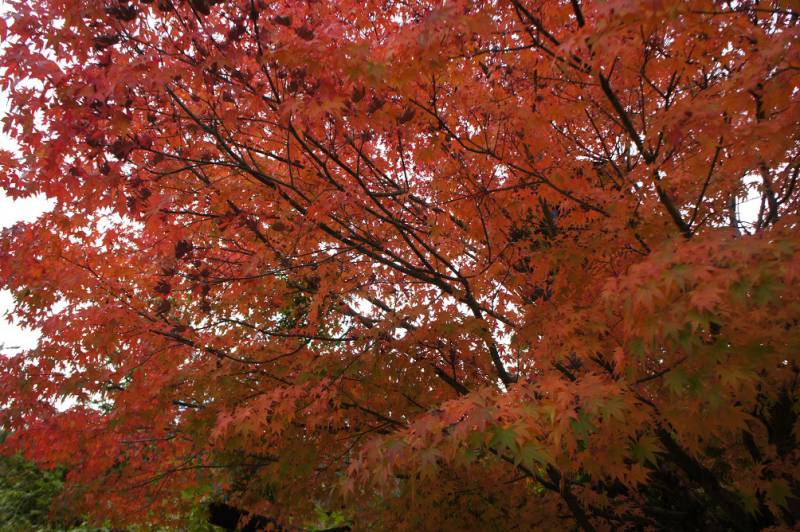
x: 636, y: 347
x: 532, y: 453
x: 581, y: 426
x: 676, y: 381
x: 765, y: 292
x: 613, y: 407
x: 778, y: 492
x: 645, y: 449
x: 504, y: 438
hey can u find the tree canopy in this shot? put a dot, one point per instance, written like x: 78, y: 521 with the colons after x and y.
x: 475, y: 264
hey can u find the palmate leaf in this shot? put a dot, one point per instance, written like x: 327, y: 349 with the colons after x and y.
x: 504, y: 439
x: 613, y: 408
x: 532, y: 454
x: 676, y: 381
x: 468, y: 265
x: 645, y: 449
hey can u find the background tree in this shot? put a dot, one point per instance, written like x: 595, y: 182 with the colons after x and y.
x: 31, y: 501
x: 25, y: 495
x: 472, y: 265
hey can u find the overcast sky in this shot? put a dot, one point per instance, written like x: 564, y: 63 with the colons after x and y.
x: 12, y: 212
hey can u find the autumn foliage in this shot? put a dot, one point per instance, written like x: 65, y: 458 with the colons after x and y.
x: 466, y: 265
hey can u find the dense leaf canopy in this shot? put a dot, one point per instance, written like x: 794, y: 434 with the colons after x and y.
x: 475, y: 264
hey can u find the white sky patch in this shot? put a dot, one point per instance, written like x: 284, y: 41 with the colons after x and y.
x: 747, y: 208
x: 13, y: 337
x: 12, y: 211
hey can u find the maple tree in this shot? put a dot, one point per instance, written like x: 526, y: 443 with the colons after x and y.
x: 463, y: 265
